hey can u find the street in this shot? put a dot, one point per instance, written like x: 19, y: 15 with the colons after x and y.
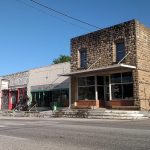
x: 73, y: 134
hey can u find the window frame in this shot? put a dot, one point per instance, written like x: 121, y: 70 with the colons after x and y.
x: 122, y: 83
x: 85, y: 78
x: 121, y: 52
x: 83, y: 61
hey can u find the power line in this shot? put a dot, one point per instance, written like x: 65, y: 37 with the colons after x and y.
x: 63, y: 14
x: 54, y: 16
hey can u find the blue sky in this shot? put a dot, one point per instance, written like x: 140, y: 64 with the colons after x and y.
x: 32, y: 37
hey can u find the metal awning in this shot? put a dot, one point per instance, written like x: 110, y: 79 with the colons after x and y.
x: 120, y: 67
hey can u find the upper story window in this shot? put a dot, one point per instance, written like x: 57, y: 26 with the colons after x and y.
x: 120, y: 51
x: 83, y: 58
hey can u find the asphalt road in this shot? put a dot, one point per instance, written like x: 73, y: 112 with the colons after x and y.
x: 73, y: 134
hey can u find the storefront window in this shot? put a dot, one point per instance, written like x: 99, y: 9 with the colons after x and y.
x: 116, y: 78
x: 122, y: 86
x: 127, y: 77
x: 86, y: 88
x: 86, y: 81
x: 86, y: 93
x: 127, y: 91
x: 100, y: 80
x: 61, y: 96
x: 117, y: 91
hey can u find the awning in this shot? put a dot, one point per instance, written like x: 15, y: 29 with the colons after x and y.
x: 115, y: 67
x: 49, y: 87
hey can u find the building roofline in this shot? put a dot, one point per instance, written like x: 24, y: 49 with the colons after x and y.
x: 3, y: 76
x: 49, y: 65
x: 106, y: 28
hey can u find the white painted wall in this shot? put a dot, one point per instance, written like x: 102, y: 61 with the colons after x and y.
x: 44, y: 76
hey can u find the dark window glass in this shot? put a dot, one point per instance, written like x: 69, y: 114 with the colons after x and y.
x: 100, y: 90
x: 38, y: 99
x: 107, y: 80
x: 56, y: 95
x: 127, y: 77
x: 83, y: 58
x: 116, y: 78
x: 127, y: 91
x: 87, y: 93
x: 100, y: 80
x: 120, y: 51
x: 91, y: 80
x: 47, y: 98
x: 64, y: 98
x: 61, y: 96
x: 82, y: 81
x: 117, y: 91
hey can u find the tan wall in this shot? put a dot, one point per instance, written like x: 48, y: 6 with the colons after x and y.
x: 143, y: 64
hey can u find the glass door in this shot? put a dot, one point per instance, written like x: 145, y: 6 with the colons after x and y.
x: 103, y: 90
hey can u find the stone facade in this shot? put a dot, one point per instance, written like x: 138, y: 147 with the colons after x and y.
x: 101, y: 45
x: 101, y: 52
x: 18, y: 80
x: 16, y: 90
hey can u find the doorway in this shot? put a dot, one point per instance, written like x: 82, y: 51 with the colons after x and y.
x: 103, y: 90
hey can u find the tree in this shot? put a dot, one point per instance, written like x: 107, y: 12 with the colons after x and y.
x: 61, y: 59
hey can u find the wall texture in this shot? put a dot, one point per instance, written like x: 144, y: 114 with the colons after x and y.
x: 143, y: 64
x: 48, y: 77
x: 101, y: 45
x: 17, y: 80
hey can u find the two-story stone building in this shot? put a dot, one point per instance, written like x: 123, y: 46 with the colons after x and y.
x: 111, y: 67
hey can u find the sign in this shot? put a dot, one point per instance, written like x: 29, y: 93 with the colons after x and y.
x: 4, y: 84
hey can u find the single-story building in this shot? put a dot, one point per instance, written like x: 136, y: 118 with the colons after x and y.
x: 13, y: 88
x: 41, y: 86
x: 46, y: 86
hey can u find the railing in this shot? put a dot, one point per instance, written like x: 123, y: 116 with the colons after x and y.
x: 34, y: 106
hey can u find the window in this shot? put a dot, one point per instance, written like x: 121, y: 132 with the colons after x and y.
x: 86, y: 81
x: 116, y: 78
x: 120, y: 51
x: 83, y: 58
x: 61, y: 96
x: 100, y: 80
x: 86, y: 88
x: 86, y: 93
x: 42, y: 99
x: 122, y: 85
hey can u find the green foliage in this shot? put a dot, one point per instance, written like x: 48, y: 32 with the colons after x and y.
x: 61, y: 59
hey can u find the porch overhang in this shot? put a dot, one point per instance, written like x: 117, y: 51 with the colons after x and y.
x: 115, y: 67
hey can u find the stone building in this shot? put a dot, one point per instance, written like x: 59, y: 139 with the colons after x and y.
x: 13, y: 89
x: 111, y: 67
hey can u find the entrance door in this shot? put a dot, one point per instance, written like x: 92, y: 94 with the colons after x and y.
x: 103, y: 90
